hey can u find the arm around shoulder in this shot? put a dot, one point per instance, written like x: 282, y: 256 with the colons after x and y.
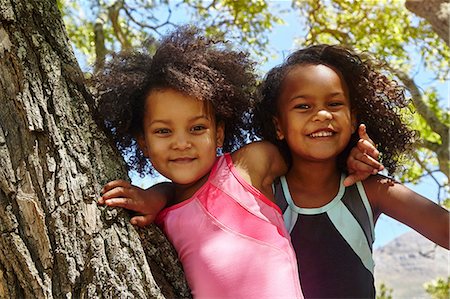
x: 259, y: 163
x: 401, y: 203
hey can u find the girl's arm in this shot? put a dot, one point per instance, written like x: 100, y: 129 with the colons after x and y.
x: 259, y: 163
x: 410, y: 208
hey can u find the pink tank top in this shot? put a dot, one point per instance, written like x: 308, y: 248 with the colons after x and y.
x: 231, y: 240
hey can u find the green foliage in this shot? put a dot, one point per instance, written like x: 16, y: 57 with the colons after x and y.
x: 246, y: 22
x: 439, y: 288
x: 432, y: 99
x: 426, y: 132
x: 384, y: 292
x: 446, y: 203
x: 385, y: 28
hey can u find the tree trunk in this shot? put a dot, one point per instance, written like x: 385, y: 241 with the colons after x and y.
x: 436, y: 12
x: 55, y: 241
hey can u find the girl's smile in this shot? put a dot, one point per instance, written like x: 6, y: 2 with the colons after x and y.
x: 326, y: 132
x: 182, y: 160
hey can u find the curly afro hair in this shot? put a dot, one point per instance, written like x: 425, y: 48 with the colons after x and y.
x: 203, y: 68
x: 375, y: 98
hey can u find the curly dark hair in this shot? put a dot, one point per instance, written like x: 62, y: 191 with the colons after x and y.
x: 203, y: 68
x: 375, y: 98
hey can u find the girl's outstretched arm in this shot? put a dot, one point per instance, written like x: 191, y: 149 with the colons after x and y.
x: 147, y: 203
x: 401, y: 203
x: 363, y: 159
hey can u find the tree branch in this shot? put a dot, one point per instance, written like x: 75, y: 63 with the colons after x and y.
x: 113, y: 14
x: 442, y: 150
x: 145, y: 25
x: 436, y: 12
x: 422, y: 108
x: 99, y: 41
x: 430, y: 173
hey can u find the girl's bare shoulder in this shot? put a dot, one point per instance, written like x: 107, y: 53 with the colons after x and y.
x: 379, y: 183
x: 259, y: 162
x: 378, y: 189
x: 256, y: 155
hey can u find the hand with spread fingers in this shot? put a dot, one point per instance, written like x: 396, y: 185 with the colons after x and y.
x: 146, y: 203
x: 363, y: 159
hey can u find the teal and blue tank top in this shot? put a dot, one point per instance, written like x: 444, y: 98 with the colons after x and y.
x: 333, y: 243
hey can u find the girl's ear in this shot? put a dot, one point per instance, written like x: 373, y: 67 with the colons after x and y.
x: 220, y: 134
x: 276, y: 123
x: 141, y: 143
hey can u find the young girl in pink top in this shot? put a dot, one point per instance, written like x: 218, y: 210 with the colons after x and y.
x: 181, y: 104
x: 176, y: 108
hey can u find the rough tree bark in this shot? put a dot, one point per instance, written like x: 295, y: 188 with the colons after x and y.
x: 437, y: 12
x: 55, y: 241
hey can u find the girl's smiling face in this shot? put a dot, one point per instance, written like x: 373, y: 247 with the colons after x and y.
x: 314, y: 113
x: 180, y: 136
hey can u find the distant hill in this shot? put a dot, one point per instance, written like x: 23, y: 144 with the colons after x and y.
x: 409, y: 261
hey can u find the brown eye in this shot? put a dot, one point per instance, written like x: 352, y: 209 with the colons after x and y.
x: 302, y: 106
x: 198, y: 129
x: 162, y: 131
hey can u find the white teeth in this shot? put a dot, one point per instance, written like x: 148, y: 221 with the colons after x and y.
x: 321, y: 134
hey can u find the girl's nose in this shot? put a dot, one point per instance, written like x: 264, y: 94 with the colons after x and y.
x: 322, y: 115
x: 182, y: 142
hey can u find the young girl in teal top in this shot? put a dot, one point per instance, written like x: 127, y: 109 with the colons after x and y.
x: 316, y: 100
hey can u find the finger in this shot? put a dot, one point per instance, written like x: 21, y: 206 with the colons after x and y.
x: 117, y: 192
x: 367, y: 147
x: 364, y: 162
x: 353, y: 178
x: 356, y: 167
x: 121, y: 202
x: 357, y: 156
x: 100, y: 201
x: 362, y: 132
x: 114, y: 184
x: 142, y: 220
